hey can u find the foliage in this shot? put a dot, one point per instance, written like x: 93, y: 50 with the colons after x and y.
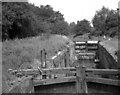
x: 60, y: 27
x: 105, y: 22
x: 72, y: 28
x: 22, y: 20
x: 82, y: 27
x: 16, y: 24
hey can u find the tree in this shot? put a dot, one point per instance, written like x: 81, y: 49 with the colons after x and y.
x: 112, y: 23
x: 15, y: 23
x: 72, y: 28
x: 83, y: 27
x: 100, y: 18
x: 60, y: 27
x: 30, y: 20
x: 105, y: 22
x: 45, y: 12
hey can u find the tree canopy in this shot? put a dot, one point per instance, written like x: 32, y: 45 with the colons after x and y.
x: 82, y: 27
x: 105, y: 22
x: 22, y: 19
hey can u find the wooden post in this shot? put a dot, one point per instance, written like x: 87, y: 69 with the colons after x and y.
x: 86, y: 45
x: 53, y: 67
x: 32, y: 90
x: 65, y: 59
x: 68, y: 57
x: 44, y: 62
x: 81, y: 86
x: 45, y: 56
x: 41, y: 57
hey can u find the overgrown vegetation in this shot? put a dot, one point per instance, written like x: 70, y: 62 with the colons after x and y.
x: 21, y: 53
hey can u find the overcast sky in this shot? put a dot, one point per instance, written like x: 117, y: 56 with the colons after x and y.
x: 74, y: 10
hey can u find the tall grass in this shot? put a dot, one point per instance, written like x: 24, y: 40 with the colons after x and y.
x: 20, y: 53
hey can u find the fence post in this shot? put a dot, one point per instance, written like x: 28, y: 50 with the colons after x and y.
x: 41, y: 56
x: 68, y: 57
x: 32, y: 90
x: 86, y: 45
x: 53, y: 67
x: 45, y: 56
x: 81, y: 85
x: 65, y: 59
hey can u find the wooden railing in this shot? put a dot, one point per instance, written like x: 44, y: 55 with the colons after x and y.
x: 81, y: 75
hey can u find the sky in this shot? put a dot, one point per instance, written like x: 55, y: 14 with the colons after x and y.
x: 76, y: 10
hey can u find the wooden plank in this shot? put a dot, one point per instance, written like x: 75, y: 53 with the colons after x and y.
x: 85, y: 57
x: 48, y: 71
x: 80, y: 46
x: 78, y: 81
x: 81, y: 43
x: 89, y: 54
x: 77, y: 46
x: 79, y: 51
x: 103, y: 81
x: 73, y: 79
x: 81, y: 86
x: 92, y: 42
x: 25, y: 72
x: 54, y: 81
x: 103, y: 71
x: 89, y: 48
x: 65, y: 70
